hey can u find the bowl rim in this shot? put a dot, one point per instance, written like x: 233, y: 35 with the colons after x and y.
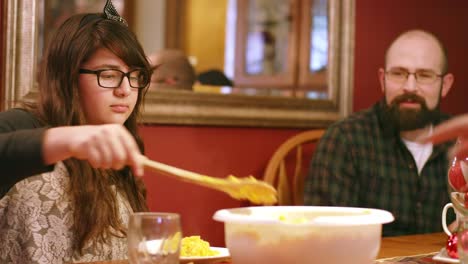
x: 362, y: 216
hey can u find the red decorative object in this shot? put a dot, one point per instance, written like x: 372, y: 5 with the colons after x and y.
x: 457, y: 180
x: 452, y: 246
x: 466, y: 199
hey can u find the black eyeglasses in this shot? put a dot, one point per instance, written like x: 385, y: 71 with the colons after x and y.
x: 112, y: 78
x: 421, y: 76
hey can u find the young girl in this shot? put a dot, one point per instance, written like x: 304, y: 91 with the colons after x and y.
x: 80, y: 136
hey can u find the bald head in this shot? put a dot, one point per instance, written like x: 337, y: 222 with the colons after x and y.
x: 172, y: 69
x: 419, y: 44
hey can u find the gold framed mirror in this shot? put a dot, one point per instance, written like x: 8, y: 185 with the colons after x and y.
x: 193, y: 108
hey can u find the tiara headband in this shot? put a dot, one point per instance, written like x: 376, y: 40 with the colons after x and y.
x: 111, y: 13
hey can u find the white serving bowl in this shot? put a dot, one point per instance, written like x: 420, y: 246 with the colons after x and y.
x: 303, y: 234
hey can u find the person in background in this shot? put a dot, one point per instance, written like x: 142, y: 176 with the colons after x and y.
x: 373, y: 158
x: 214, y: 77
x: 172, y: 70
x: 78, y: 139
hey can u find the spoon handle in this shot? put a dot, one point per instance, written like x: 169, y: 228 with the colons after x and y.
x: 181, y: 174
x: 238, y: 188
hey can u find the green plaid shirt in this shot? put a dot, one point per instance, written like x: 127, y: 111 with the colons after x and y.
x: 361, y: 161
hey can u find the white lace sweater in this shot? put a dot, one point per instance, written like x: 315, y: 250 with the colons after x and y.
x: 36, y: 220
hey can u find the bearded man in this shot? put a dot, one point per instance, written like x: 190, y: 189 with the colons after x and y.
x: 372, y: 158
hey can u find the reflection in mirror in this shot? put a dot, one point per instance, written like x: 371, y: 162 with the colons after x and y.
x: 306, y: 92
x: 53, y: 13
x: 28, y: 26
x: 306, y: 81
x: 281, y: 50
x: 268, y: 24
x: 318, y: 59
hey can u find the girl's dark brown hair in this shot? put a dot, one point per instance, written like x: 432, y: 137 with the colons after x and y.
x: 96, y: 215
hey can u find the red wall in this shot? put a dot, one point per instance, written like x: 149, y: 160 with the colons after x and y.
x: 213, y: 151
x: 379, y: 22
x: 244, y: 151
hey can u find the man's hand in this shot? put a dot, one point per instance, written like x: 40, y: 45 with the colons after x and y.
x: 454, y: 128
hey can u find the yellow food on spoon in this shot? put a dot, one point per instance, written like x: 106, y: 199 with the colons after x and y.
x: 194, y: 246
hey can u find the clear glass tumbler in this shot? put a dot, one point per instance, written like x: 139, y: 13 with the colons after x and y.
x: 154, y: 238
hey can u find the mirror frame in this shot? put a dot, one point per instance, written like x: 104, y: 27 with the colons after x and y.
x: 189, y: 108
x: 20, y: 51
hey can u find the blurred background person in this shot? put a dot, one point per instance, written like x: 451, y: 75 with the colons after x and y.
x: 171, y: 70
x: 214, y: 77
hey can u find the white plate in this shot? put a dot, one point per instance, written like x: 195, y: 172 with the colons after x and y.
x: 443, y: 257
x: 223, y: 255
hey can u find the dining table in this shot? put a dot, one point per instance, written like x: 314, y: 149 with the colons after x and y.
x: 409, y: 249
x: 412, y: 249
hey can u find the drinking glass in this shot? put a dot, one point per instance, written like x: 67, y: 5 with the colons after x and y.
x: 154, y: 238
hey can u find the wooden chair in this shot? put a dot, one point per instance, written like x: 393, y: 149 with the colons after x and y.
x: 277, y: 170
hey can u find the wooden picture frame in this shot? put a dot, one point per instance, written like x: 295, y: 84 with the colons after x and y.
x: 25, y: 38
x: 190, y: 108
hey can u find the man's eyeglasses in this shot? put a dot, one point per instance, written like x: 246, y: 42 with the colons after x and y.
x: 421, y: 76
x: 112, y: 78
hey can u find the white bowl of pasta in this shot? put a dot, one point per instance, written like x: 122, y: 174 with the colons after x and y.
x: 303, y: 234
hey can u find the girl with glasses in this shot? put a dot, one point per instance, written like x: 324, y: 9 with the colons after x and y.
x: 76, y: 150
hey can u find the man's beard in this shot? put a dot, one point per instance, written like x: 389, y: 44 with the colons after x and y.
x: 406, y: 119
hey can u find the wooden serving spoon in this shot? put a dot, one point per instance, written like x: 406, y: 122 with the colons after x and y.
x: 247, y: 188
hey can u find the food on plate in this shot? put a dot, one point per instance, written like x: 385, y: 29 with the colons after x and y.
x: 170, y: 245
x: 194, y: 246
